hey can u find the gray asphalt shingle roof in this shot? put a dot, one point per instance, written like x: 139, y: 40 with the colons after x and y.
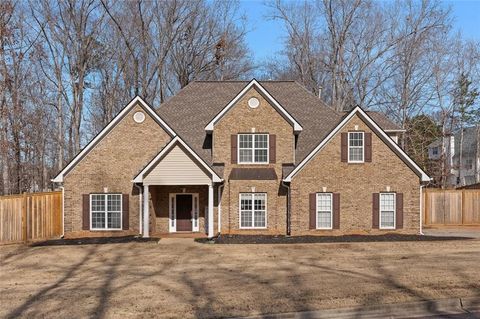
x: 197, y: 104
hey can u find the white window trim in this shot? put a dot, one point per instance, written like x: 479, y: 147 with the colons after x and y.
x: 363, y: 147
x: 172, y: 212
x: 105, y: 195
x: 253, y: 211
x: 253, y: 149
x: 317, y: 211
x: 394, y: 210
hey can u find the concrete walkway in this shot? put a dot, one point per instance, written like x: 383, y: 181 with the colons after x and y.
x: 444, y: 308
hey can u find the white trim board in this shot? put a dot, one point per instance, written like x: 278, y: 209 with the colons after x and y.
x: 296, y: 126
x: 387, y: 139
x: 137, y: 100
x: 165, y: 150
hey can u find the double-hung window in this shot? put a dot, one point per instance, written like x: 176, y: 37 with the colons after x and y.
x: 106, y: 211
x: 253, y: 210
x: 252, y: 148
x: 324, y: 211
x: 355, y: 147
x: 387, y: 211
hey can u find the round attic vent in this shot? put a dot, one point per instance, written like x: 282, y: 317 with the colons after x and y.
x: 139, y: 117
x: 253, y: 102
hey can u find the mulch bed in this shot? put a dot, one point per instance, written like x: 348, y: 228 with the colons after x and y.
x: 265, y: 239
x: 94, y: 241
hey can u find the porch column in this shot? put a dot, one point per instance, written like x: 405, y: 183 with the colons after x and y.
x: 210, y: 210
x: 146, y: 212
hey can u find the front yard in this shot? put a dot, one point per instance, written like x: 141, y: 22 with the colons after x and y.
x: 180, y: 278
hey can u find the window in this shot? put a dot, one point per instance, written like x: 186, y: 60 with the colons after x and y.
x: 252, y: 148
x: 435, y: 151
x: 324, y: 211
x: 387, y: 210
x: 106, y: 211
x: 253, y: 210
x: 355, y: 147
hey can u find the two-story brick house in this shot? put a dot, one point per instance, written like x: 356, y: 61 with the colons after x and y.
x: 246, y: 158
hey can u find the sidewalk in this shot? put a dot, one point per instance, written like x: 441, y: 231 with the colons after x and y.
x: 444, y: 308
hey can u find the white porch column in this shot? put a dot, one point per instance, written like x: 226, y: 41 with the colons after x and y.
x: 210, y: 210
x: 146, y: 212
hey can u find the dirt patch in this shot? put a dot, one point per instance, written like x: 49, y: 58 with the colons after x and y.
x: 94, y: 241
x: 183, y: 279
x: 261, y: 239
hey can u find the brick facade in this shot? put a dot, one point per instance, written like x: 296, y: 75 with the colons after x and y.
x: 243, y: 119
x: 111, y: 165
x: 356, y: 183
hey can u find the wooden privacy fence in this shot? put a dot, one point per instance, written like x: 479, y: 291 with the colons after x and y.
x: 31, y: 216
x: 451, y: 207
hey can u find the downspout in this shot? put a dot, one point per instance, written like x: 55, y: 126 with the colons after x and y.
x: 421, y: 209
x: 63, y: 211
x: 288, y: 208
x: 140, y: 210
x: 219, y: 208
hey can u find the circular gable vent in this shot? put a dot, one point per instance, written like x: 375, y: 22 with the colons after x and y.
x: 139, y: 117
x: 253, y: 102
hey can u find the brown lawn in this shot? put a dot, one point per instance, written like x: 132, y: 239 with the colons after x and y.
x: 179, y: 278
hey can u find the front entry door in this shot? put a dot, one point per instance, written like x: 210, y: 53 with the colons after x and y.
x: 184, y: 212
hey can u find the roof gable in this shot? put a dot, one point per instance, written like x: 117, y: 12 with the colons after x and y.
x: 165, y: 152
x: 374, y: 126
x: 254, y: 84
x: 136, y: 101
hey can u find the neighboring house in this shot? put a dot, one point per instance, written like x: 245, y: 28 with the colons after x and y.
x: 242, y: 158
x: 459, y: 174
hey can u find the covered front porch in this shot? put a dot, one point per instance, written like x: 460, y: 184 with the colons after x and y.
x: 179, y: 210
x: 178, y: 193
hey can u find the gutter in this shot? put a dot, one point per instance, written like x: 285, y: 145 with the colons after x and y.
x: 140, y: 210
x: 288, y: 208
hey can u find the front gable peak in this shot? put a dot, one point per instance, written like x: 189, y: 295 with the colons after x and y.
x: 136, y: 101
x: 256, y: 85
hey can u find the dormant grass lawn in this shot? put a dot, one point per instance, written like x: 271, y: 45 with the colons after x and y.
x: 180, y: 278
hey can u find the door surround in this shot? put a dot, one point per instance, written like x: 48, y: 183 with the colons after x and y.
x: 172, y: 211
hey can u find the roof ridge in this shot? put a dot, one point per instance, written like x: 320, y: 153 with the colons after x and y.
x: 241, y: 81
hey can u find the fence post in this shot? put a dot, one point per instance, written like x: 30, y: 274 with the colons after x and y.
x: 463, y: 207
x: 24, y: 218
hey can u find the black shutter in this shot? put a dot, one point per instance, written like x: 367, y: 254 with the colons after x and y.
x: 336, y: 211
x: 399, y: 211
x: 368, y: 147
x: 86, y: 212
x: 313, y: 210
x: 233, y: 143
x: 344, y: 147
x: 125, y: 212
x: 375, y: 210
x: 273, y: 148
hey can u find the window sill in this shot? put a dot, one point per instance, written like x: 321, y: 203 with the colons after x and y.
x: 262, y: 163
x: 252, y: 228
x: 323, y: 229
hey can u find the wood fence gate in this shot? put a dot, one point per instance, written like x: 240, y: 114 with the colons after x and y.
x: 451, y: 207
x: 33, y: 216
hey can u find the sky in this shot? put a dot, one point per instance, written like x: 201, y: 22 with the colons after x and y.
x: 264, y: 37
